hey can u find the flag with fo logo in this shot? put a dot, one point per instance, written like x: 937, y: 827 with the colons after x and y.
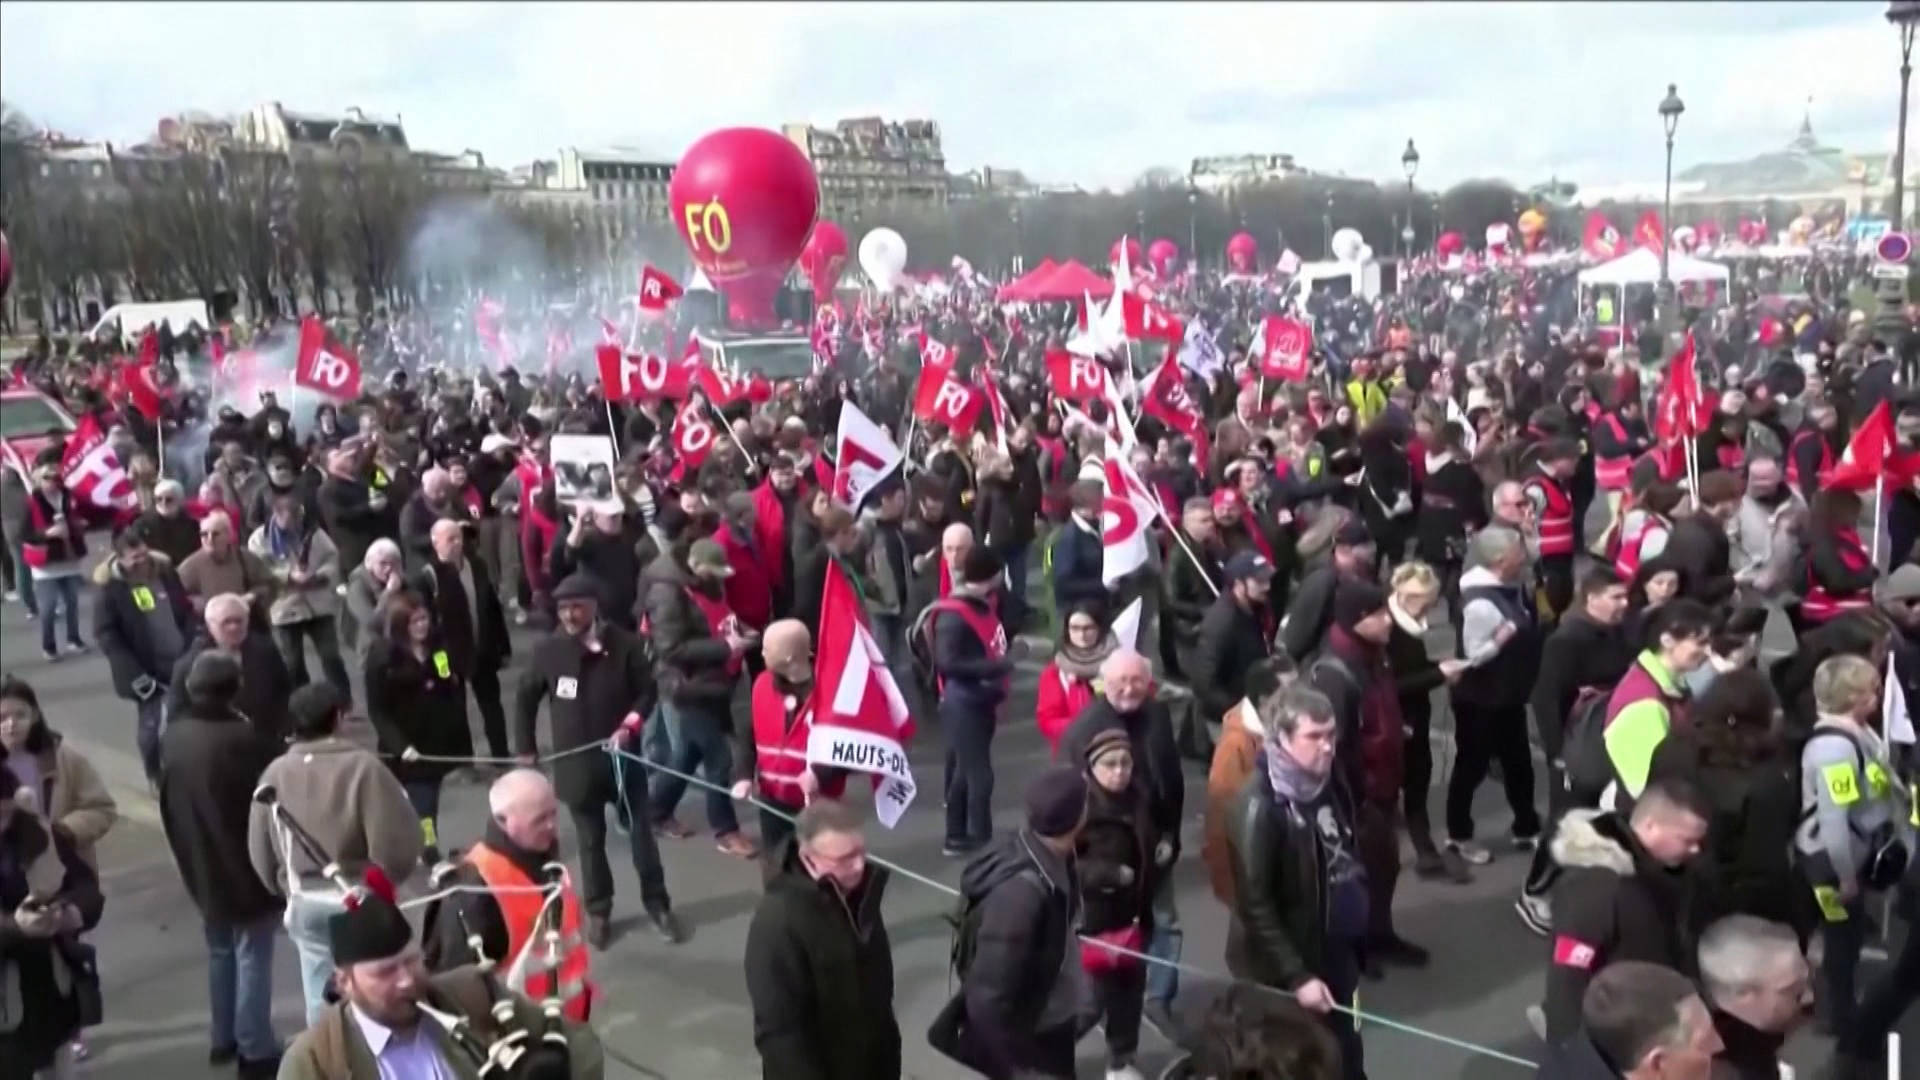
x: 860, y: 720
x: 324, y: 364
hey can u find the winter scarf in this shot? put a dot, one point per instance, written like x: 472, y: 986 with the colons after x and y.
x: 1291, y: 780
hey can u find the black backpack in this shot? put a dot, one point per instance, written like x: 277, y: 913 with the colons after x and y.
x: 1583, y: 755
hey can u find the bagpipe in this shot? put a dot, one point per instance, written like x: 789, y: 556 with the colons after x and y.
x: 501, y: 1045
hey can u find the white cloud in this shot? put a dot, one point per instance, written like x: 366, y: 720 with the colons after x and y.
x: 1085, y: 92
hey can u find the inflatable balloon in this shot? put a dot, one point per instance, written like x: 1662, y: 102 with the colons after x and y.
x: 1685, y: 238
x: 823, y: 257
x: 1242, y: 251
x: 1449, y: 245
x: 1132, y: 248
x: 745, y: 200
x: 1347, y: 244
x: 1162, y: 254
x: 1365, y: 254
x: 883, y: 255
x: 1499, y: 235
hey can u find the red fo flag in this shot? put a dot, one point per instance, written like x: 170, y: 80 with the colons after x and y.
x: 627, y: 377
x: 860, y: 720
x: 324, y: 364
x: 1164, y: 397
x: 721, y: 388
x: 1681, y: 411
x: 1148, y: 321
x: 692, y: 440
x: 1076, y: 378
x: 1287, y: 343
x: 1602, y: 240
x: 138, y: 383
x: 657, y: 290
x: 945, y: 400
x: 92, y: 471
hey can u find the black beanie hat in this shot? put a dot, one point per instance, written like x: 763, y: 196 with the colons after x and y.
x: 1056, y: 801
x: 374, y: 929
x: 1355, y: 600
x: 981, y: 566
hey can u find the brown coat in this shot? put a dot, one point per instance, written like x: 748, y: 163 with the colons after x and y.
x: 348, y: 800
x: 242, y: 573
x: 73, y: 796
x: 334, y: 1049
x: 1235, y: 757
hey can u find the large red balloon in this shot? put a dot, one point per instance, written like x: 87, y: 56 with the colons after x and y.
x: 1449, y: 245
x: 744, y: 200
x: 1162, y: 254
x: 1132, y: 248
x: 1242, y: 250
x: 822, y: 258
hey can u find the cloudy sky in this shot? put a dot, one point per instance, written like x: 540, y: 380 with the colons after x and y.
x: 1088, y: 93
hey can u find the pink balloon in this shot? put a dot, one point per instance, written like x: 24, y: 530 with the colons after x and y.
x: 1162, y: 254
x: 1242, y: 250
x: 1132, y: 249
x: 822, y: 258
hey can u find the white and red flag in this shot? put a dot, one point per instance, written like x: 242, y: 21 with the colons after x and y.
x: 860, y: 719
x: 1872, y: 454
x: 1285, y: 345
x: 657, y: 290
x: 1126, y: 515
x: 942, y: 399
x: 626, y: 376
x: 1076, y: 378
x: 1164, y: 397
x: 1681, y: 411
x: 325, y: 365
x: 863, y: 456
x: 139, y: 383
x: 92, y: 471
x: 693, y: 437
x: 1145, y: 320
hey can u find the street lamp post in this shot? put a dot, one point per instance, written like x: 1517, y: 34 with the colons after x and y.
x: 1326, y: 223
x: 1410, y: 161
x: 1019, y: 256
x: 1193, y: 227
x: 1905, y: 16
x: 1140, y: 219
x: 1670, y: 109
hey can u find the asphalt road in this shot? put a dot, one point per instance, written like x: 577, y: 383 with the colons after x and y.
x: 682, y: 1012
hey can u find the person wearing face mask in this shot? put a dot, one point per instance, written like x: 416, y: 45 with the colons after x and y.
x: 600, y: 686
x: 1300, y: 897
x: 819, y: 966
x: 782, y: 706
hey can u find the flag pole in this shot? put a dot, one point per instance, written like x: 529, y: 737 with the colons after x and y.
x: 612, y: 430
x: 1879, y: 511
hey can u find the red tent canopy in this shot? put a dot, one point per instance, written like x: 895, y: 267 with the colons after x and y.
x: 1070, y: 281
x: 1021, y: 288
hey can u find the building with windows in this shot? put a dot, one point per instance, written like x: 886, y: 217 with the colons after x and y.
x: 1219, y: 172
x: 321, y: 138
x: 868, y: 161
x: 627, y: 181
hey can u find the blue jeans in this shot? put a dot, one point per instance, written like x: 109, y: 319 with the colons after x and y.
x: 662, y: 735
x: 1013, y: 607
x: 240, y: 987
x: 969, y: 773
x: 702, y: 745
x: 66, y: 591
x: 1163, y: 943
x: 307, y: 925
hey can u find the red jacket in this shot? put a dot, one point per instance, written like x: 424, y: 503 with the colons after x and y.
x: 770, y: 533
x: 1061, y: 697
x: 750, y: 589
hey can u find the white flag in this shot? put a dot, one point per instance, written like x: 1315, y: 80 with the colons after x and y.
x: 1126, y: 514
x: 1126, y: 628
x: 1896, y: 721
x: 864, y: 456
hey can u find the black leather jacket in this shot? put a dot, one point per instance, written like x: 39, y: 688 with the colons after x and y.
x: 1278, y: 931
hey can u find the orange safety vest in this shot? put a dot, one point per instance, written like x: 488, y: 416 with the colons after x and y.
x: 780, y: 743
x: 1632, y: 536
x: 1556, y: 521
x: 1820, y: 604
x: 1613, y: 473
x: 520, y: 908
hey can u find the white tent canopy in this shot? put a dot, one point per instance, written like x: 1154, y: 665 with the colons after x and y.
x: 1642, y: 267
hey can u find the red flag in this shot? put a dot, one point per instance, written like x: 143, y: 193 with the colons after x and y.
x: 1602, y: 240
x: 325, y: 365
x: 861, y: 721
x: 1165, y: 398
x: 934, y: 352
x: 721, y: 388
x: 1148, y: 321
x: 609, y: 331
x: 1127, y: 512
x: 1287, y: 344
x: 1076, y: 378
x: 137, y: 381
x: 1681, y: 411
x: 1648, y: 232
x: 149, y: 346
x: 943, y: 399
x: 486, y: 324
x: 91, y: 470
x: 1869, y: 454
x: 692, y: 440
x: 627, y: 377
x: 657, y: 290
x: 217, y: 347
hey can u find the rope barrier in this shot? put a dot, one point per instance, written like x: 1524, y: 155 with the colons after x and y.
x: 1360, y: 1017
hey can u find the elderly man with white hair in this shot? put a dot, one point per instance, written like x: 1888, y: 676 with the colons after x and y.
x: 380, y: 574
x: 169, y: 529
x: 434, y: 501
x: 490, y: 918
x: 1128, y: 704
x: 265, y: 684
x: 1756, y: 983
x: 1500, y: 640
